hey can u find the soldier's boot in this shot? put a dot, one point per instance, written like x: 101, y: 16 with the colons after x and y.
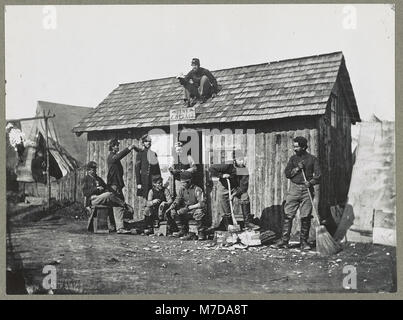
x: 226, y: 221
x: 172, y: 227
x: 156, y: 221
x: 201, y: 231
x: 189, y: 236
x: 304, y: 234
x: 285, y: 237
x: 149, y: 225
x: 181, y: 228
x: 247, y: 217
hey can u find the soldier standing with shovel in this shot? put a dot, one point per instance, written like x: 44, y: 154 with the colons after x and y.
x: 237, y: 175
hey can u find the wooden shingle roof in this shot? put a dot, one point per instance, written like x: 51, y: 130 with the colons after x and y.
x: 287, y: 88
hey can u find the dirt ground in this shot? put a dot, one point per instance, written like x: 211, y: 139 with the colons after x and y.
x: 135, y: 264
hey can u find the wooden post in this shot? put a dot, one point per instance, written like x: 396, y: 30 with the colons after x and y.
x: 47, y: 161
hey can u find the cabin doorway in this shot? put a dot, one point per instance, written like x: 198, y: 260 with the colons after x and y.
x: 193, y: 146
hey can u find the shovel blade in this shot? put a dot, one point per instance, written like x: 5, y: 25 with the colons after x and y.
x: 234, y: 228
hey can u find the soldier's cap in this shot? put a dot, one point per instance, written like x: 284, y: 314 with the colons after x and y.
x: 145, y: 138
x: 114, y: 142
x: 185, y: 176
x: 9, y: 125
x: 91, y: 165
x: 196, y: 62
x: 156, y: 179
x: 302, y: 141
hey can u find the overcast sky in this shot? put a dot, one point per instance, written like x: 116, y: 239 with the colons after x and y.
x: 85, y: 53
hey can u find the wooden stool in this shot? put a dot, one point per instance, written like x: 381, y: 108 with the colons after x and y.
x: 98, y: 221
x: 162, y: 230
x: 193, y: 227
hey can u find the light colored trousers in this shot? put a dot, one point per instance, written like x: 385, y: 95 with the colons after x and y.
x: 111, y: 200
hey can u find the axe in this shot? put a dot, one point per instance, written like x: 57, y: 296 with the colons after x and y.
x: 235, y: 226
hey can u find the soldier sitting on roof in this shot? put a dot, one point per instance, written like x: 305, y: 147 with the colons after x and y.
x: 199, y: 84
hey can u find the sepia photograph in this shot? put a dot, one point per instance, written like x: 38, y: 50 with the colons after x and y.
x: 200, y: 149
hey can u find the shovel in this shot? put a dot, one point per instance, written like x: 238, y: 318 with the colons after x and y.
x: 235, y: 226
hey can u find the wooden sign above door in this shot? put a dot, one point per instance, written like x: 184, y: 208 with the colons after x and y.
x: 180, y: 114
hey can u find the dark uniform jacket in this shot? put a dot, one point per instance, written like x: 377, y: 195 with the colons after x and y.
x: 146, y: 166
x: 311, y: 169
x: 163, y: 195
x: 239, y: 177
x: 115, y: 169
x: 196, y: 76
x: 90, y: 184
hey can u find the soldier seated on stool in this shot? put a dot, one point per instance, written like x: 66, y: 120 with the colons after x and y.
x: 190, y: 204
x: 96, y: 192
x: 158, y: 201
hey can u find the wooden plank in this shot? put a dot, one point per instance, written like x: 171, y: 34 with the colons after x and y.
x: 290, y: 151
x: 251, y: 152
x: 272, y: 170
x: 228, y: 145
x: 102, y: 155
x: 267, y: 169
x: 88, y: 149
x: 129, y: 175
x: 125, y: 165
x: 258, y: 173
x: 216, y: 150
x: 222, y: 148
x: 284, y: 160
x: 97, y: 152
x: 277, y: 199
x: 238, y: 136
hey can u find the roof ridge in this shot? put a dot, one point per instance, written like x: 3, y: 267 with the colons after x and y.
x: 270, y: 89
x: 62, y: 104
x: 239, y: 67
x: 307, y: 57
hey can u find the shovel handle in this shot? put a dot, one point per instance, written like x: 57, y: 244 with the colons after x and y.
x: 310, y: 198
x: 230, y: 204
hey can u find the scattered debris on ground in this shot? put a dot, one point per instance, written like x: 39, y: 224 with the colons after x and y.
x: 137, y: 264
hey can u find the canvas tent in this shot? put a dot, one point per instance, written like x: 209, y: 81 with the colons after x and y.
x: 370, y: 214
x: 67, y: 151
